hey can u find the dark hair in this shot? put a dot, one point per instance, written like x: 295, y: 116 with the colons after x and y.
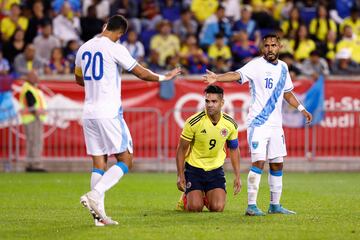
x: 214, y: 89
x: 271, y: 35
x: 116, y: 23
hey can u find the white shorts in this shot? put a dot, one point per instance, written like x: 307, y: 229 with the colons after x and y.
x: 106, y: 136
x: 266, y: 142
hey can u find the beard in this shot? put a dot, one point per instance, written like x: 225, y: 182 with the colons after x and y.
x: 270, y: 57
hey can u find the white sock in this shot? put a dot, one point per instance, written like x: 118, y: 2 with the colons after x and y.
x: 275, y: 183
x: 111, y: 177
x: 253, y: 184
x: 96, y: 175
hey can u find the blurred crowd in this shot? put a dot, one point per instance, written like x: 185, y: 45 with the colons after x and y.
x: 318, y: 37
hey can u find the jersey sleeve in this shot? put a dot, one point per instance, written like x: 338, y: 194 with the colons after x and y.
x: 124, y: 58
x: 247, y: 73
x: 232, y: 141
x: 78, y: 59
x: 187, y: 132
x: 288, y: 83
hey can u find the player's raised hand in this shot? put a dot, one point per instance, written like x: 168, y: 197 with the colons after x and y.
x: 210, y: 77
x: 237, y: 185
x: 307, y: 116
x: 173, y: 73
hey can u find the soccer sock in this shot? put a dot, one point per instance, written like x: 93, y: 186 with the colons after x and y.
x: 275, y: 183
x: 96, y: 175
x: 253, y: 184
x: 111, y: 177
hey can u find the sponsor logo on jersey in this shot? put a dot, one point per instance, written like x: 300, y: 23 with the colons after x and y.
x: 203, y: 131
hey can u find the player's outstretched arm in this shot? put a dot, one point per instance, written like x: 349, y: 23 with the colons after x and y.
x: 148, y: 75
x: 235, y: 162
x: 180, y: 163
x: 293, y: 101
x: 211, y: 77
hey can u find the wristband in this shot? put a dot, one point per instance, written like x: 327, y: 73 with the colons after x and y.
x: 300, y: 108
x: 161, y: 77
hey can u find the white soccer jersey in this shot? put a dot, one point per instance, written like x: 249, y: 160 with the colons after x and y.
x: 268, y: 82
x: 101, y: 61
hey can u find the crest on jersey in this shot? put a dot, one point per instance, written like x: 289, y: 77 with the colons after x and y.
x: 255, y: 144
x: 224, y: 132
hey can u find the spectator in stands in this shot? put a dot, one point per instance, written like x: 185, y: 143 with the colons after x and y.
x: 302, y: 45
x: 284, y: 42
x: 70, y: 53
x: 293, y: 66
x: 219, y: 49
x: 339, y: 10
x: 322, y: 24
x: 203, y: 9
x: 263, y: 14
x: 150, y: 14
x: 37, y: 21
x: 33, y: 116
x: 353, y: 21
x: 220, y: 65
x: 307, y: 10
x: 58, y: 64
x: 216, y: 23
x: 343, y: 65
x: 247, y: 24
x: 193, y: 57
x: 5, y: 6
x: 10, y: 23
x: 327, y: 48
x: 102, y: 8
x: 67, y: 25
x: 28, y: 61
x: 135, y: 47
x: 315, y: 66
x: 46, y: 42
x: 74, y: 5
x: 165, y: 43
x: 4, y: 65
x: 185, y: 25
x: 351, y: 42
x: 91, y: 24
x: 129, y: 9
x: 170, y: 10
x: 15, y: 46
x: 153, y: 62
x: 291, y: 25
x: 232, y: 9
x: 243, y: 50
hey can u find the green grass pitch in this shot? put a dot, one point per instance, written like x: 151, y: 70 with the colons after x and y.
x: 46, y: 206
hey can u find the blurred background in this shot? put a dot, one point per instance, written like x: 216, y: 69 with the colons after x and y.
x: 320, y: 43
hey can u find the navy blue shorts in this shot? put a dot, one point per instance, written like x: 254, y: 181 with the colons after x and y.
x: 199, y: 179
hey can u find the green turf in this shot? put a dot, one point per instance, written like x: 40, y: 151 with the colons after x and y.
x: 46, y: 206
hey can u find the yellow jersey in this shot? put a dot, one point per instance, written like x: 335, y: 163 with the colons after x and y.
x: 207, y: 147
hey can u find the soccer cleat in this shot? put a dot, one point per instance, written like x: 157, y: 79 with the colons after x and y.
x: 180, y: 206
x: 94, y: 202
x: 253, y: 210
x: 277, y: 208
x: 85, y: 202
x: 109, y: 221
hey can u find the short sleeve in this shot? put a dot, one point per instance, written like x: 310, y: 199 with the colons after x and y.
x: 246, y: 73
x: 233, y: 134
x: 288, y: 83
x: 78, y: 59
x: 124, y: 58
x: 187, y: 133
